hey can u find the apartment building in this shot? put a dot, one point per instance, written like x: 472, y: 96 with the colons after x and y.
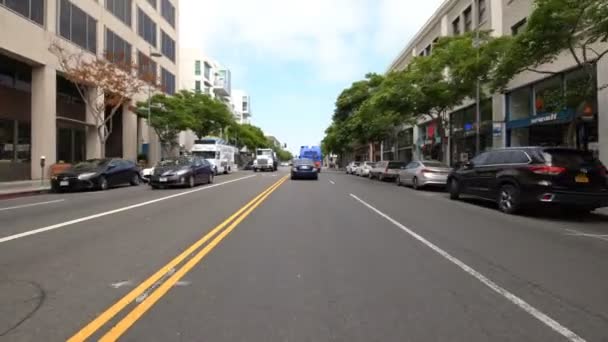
x: 199, y: 72
x: 241, y: 104
x: 516, y: 117
x: 41, y: 113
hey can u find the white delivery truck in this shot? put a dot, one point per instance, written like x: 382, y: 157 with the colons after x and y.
x: 265, y: 160
x: 217, y: 152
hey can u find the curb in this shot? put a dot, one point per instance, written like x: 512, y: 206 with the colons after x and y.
x: 24, y: 193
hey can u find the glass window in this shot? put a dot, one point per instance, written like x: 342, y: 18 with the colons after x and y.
x: 146, y: 28
x: 576, y: 84
x: 7, y: 136
x: 77, y: 26
x: 146, y: 68
x: 468, y: 19
x: 517, y: 157
x: 497, y: 158
x: 481, y: 10
x: 480, y: 159
x: 167, y: 81
x: 207, y: 71
x: 168, y: 12
x: 520, y: 137
x: 434, y: 164
x: 520, y: 103
x: 197, y: 86
x: 31, y: 9
x: 24, y: 141
x: 167, y: 46
x: 121, y: 9
x: 549, y: 96
x: 117, y: 49
x: 456, y: 26
x: 197, y: 68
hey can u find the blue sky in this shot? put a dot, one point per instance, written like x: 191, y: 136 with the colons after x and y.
x: 294, y: 58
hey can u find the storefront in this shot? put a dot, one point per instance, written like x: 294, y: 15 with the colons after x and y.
x: 405, y: 145
x: 547, y: 114
x: 463, y: 132
x: 15, y: 131
x: 429, y: 142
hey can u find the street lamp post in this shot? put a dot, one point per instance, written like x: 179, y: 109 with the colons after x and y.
x: 477, y: 44
x: 152, y: 56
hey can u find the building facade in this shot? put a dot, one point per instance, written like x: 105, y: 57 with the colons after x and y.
x: 519, y: 116
x: 200, y: 73
x: 41, y: 113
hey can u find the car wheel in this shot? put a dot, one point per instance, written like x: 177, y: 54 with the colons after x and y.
x: 103, y: 183
x: 454, y: 189
x: 191, y: 182
x: 215, y: 171
x: 415, y: 184
x: 210, y: 178
x: 255, y: 170
x: 154, y: 187
x: 508, y: 199
x: 381, y: 177
x: 398, y: 180
x: 134, y: 180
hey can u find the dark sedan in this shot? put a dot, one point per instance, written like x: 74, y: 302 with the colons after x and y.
x: 97, y: 174
x: 304, y: 168
x: 183, y: 171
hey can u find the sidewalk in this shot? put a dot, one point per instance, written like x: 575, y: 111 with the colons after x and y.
x: 21, y: 188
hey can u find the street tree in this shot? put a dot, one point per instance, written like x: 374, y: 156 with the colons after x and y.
x: 105, y: 84
x: 575, y: 28
x: 208, y: 115
x: 168, y: 117
x: 353, y: 97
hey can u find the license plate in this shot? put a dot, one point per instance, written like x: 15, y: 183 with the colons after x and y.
x: 305, y: 168
x: 64, y: 183
x: 162, y: 179
x: 581, y: 178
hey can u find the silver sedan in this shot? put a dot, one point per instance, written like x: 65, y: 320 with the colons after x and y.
x: 421, y: 173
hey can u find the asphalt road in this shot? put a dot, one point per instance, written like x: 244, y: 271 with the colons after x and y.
x: 338, y: 259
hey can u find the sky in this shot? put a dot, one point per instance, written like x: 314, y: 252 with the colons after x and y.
x: 295, y: 57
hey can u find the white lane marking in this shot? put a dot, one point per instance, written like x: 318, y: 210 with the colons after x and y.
x: 183, y: 283
x: 332, y: 182
x: 120, y: 284
x: 550, y: 322
x: 115, y: 211
x: 595, y: 236
x: 31, y: 205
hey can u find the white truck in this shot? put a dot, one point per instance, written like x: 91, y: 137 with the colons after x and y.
x: 217, y: 152
x: 265, y: 160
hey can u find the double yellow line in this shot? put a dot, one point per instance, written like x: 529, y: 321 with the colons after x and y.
x: 140, y: 309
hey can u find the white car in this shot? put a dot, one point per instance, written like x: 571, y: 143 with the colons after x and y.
x: 147, y: 173
x: 351, y: 167
x: 364, y: 169
x: 284, y: 164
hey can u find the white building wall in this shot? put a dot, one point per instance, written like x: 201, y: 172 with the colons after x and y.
x: 25, y: 40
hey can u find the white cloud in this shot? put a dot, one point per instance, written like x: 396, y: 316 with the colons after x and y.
x: 333, y: 36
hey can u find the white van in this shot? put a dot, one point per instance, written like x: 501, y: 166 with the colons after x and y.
x: 217, y: 152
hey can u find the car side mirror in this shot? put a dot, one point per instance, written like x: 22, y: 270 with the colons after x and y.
x: 469, y: 165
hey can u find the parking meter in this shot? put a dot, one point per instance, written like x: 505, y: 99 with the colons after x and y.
x: 42, y: 163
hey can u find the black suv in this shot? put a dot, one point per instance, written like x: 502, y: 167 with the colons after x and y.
x: 523, y: 176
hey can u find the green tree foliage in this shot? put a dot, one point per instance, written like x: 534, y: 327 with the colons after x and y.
x: 168, y: 117
x: 208, y: 115
x: 249, y: 136
x: 284, y: 155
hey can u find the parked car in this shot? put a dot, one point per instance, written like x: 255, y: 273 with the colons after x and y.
x: 364, y: 168
x: 147, y: 173
x: 248, y: 166
x: 516, y: 178
x: 304, y: 168
x: 386, y: 169
x: 423, y: 173
x: 284, y: 164
x: 182, y: 171
x: 350, y: 168
x: 97, y: 174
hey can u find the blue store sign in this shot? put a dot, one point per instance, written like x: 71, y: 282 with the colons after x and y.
x: 543, y: 119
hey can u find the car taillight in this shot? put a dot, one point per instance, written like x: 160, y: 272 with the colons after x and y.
x: 547, y: 170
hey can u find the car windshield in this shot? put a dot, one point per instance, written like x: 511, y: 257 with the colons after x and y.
x: 431, y: 163
x: 175, y: 162
x: 395, y: 165
x: 300, y: 162
x: 91, y: 164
